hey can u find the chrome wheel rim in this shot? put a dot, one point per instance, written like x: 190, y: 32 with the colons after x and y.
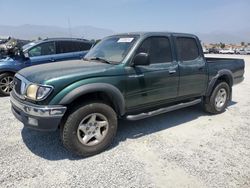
x: 92, y: 129
x: 6, y: 84
x: 221, y: 98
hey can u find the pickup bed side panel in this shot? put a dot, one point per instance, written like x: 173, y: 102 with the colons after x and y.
x: 235, y: 66
x: 232, y: 69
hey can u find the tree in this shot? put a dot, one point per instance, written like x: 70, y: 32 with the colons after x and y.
x: 242, y: 43
x: 222, y: 45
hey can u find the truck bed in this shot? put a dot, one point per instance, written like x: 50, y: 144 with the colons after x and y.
x: 236, y: 66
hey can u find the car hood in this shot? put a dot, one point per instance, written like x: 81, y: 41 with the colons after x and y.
x: 6, y: 60
x: 67, y: 71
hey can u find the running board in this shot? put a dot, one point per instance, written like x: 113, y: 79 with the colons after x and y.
x: 162, y: 110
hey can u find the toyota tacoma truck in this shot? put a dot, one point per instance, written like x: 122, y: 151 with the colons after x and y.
x: 131, y: 76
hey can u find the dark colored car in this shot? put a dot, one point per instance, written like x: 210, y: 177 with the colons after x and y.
x: 132, y: 76
x: 213, y: 50
x: 40, y: 52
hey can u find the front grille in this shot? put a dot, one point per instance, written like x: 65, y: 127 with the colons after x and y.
x: 17, y: 85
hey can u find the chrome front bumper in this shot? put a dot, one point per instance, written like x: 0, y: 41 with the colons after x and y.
x: 38, y: 117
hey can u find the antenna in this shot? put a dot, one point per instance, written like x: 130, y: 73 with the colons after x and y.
x: 69, y: 25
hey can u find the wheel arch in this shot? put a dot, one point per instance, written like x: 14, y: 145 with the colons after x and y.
x: 7, y: 71
x: 223, y: 75
x: 103, y: 91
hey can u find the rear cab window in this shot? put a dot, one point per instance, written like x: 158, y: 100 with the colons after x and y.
x: 187, y: 48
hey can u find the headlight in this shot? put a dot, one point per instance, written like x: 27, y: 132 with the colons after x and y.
x: 37, y: 92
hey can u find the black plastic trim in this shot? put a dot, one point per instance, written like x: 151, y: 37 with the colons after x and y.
x: 110, y: 90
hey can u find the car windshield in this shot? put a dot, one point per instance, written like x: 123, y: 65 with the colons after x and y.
x: 29, y: 45
x: 112, y: 49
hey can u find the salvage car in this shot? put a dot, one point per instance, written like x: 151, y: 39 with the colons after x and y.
x: 226, y: 51
x: 132, y: 76
x: 39, y: 52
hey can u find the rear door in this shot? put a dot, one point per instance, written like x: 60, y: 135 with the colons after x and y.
x: 154, y: 84
x: 66, y: 50
x: 192, y: 67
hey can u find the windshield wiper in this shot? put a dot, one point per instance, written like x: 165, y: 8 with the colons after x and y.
x: 100, y: 59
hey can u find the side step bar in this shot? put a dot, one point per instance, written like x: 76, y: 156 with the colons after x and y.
x: 162, y: 110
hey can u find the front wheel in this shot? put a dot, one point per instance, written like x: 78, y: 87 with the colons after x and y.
x: 89, y: 129
x: 6, y: 84
x: 218, y: 100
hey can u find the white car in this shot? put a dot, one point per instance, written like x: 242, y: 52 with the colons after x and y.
x: 205, y: 51
x: 245, y: 51
x: 226, y: 51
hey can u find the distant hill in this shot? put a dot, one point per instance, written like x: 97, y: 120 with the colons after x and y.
x: 226, y: 37
x: 89, y: 32
x: 34, y: 31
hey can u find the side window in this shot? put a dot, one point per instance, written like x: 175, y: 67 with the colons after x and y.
x: 187, y: 48
x: 47, y: 48
x: 158, y: 48
x: 66, y: 47
x: 84, y: 46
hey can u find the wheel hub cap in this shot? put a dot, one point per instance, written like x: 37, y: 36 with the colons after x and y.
x: 92, y: 129
x: 221, y: 98
x: 6, y: 84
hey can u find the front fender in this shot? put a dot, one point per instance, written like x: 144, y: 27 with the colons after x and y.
x: 109, y: 89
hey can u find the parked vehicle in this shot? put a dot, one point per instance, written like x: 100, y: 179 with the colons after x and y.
x: 226, y: 51
x: 36, y: 53
x: 213, y: 50
x: 243, y: 51
x: 205, y: 50
x: 132, y: 76
x: 10, y: 46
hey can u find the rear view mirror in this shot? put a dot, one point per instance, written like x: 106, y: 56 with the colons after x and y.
x: 141, y: 59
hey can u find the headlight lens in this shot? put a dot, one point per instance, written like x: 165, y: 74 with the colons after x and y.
x: 36, y: 92
x: 42, y: 92
x: 31, y: 91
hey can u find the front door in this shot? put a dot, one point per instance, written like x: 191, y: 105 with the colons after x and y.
x: 42, y: 53
x: 154, y: 84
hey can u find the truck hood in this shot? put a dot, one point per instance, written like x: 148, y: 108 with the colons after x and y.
x: 67, y: 71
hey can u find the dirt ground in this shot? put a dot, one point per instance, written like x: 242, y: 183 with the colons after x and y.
x: 184, y: 148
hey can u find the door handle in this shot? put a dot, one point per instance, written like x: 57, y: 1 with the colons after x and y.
x: 172, y: 71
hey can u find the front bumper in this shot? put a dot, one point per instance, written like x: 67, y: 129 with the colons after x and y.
x: 39, y: 117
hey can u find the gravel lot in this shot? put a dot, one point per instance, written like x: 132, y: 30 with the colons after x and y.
x: 185, y: 148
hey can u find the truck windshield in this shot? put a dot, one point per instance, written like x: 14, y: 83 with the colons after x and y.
x: 112, y: 49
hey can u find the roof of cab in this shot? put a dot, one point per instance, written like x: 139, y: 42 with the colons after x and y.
x: 152, y: 33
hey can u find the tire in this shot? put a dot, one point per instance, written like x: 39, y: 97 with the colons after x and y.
x: 6, y: 80
x: 212, y: 104
x: 77, y: 127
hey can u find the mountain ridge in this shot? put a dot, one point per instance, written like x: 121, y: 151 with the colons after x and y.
x: 31, y: 31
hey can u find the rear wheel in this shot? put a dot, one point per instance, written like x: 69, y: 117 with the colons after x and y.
x: 6, y: 83
x: 218, y: 100
x: 89, y: 129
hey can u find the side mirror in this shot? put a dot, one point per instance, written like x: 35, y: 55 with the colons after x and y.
x: 141, y: 59
x: 26, y: 55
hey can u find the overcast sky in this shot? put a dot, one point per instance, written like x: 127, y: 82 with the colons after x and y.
x: 131, y: 15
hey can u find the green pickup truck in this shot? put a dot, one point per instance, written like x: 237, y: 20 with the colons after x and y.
x: 132, y: 76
